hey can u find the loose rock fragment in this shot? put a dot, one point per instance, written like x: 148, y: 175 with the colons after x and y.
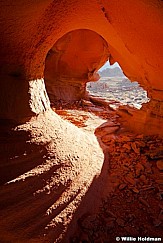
x: 130, y: 180
x: 127, y: 146
x: 122, y: 186
x: 144, y: 202
x: 143, y: 179
x: 134, y: 147
x: 110, y: 214
x: 134, y: 189
x: 107, y: 138
x: 139, y: 168
x: 160, y: 164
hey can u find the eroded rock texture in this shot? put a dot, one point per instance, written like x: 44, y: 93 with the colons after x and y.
x: 29, y: 30
x: 51, y: 164
x: 74, y: 60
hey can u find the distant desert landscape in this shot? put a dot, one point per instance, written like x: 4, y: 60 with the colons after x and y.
x: 119, y: 91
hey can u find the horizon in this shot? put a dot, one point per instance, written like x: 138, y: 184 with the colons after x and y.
x: 107, y: 65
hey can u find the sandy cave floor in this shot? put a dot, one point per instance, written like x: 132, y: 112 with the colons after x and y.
x: 53, y: 197
x: 133, y: 197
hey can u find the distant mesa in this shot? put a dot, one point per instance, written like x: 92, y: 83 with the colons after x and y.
x: 111, y: 72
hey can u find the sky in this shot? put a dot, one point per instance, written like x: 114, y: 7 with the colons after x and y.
x: 107, y: 65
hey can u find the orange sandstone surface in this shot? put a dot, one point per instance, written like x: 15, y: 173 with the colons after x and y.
x: 54, y: 175
x: 132, y: 30
x: 72, y: 62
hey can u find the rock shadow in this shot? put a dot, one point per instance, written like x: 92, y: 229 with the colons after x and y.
x: 17, y: 154
x: 86, y: 213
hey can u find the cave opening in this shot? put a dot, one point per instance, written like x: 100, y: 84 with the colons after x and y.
x: 114, y: 87
x: 100, y: 180
x: 73, y: 61
x: 77, y: 68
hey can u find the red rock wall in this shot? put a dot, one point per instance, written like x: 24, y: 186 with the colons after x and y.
x: 74, y: 60
x: 29, y: 29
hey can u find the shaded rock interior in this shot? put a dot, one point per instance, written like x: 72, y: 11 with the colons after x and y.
x: 73, y: 61
x: 57, y: 179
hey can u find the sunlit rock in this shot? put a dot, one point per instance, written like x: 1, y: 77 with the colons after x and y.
x: 51, y: 172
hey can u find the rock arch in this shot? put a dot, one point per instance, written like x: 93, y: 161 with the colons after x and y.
x: 72, y: 61
x: 29, y: 30
x: 59, y: 162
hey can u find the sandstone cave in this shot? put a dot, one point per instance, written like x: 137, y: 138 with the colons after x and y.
x: 73, y: 168
x: 73, y: 61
